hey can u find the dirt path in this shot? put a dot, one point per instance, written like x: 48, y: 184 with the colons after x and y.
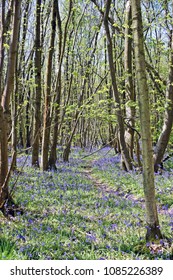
x: 87, y: 172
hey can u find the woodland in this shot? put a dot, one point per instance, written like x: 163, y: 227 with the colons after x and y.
x: 86, y: 115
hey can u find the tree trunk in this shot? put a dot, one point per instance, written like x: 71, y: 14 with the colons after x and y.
x: 4, y: 111
x: 14, y: 123
x: 168, y: 118
x: 2, y: 26
x: 2, y: 176
x: 129, y: 88
x: 153, y: 230
x: 47, y: 116
x: 53, y: 155
x: 127, y: 163
x: 37, y: 114
x: 23, y: 71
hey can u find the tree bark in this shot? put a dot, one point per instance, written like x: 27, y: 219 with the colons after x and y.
x: 5, y: 112
x: 62, y: 46
x: 168, y: 117
x: 1, y: 70
x: 2, y: 26
x: 153, y: 230
x: 129, y: 88
x: 37, y: 114
x: 47, y: 116
x: 127, y: 163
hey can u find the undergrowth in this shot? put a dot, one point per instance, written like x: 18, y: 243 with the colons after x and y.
x: 67, y: 216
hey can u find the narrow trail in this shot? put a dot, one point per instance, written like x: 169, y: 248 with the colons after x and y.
x: 87, y: 172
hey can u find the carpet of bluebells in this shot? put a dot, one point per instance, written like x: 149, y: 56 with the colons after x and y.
x: 70, y: 215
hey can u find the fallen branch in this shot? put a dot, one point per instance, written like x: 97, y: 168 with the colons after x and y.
x: 99, y: 149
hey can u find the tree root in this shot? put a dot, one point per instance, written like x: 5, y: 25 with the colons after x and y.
x: 11, y: 209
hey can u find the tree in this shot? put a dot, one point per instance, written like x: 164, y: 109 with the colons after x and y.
x: 126, y: 160
x: 2, y: 177
x: 153, y: 229
x: 47, y: 115
x: 2, y: 42
x: 5, y: 100
x: 129, y: 83
x: 37, y: 114
x: 168, y: 116
x: 61, y: 51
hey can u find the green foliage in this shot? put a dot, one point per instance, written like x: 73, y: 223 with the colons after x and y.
x: 6, y: 46
x: 7, y: 249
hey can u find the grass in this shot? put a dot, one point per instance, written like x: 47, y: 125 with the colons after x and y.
x: 68, y: 216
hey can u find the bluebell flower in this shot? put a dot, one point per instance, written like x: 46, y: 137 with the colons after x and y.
x: 21, y: 237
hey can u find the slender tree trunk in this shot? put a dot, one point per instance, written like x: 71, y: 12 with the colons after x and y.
x: 5, y: 114
x: 2, y: 26
x: 28, y: 121
x: 168, y: 118
x: 37, y: 114
x: 62, y: 47
x: 23, y: 71
x: 47, y: 116
x: 53, y: 155
x: 153, y: 230
x: 127, y: 163
x: 129, y: 88
x: 1, y: 71
x: 14, y: 122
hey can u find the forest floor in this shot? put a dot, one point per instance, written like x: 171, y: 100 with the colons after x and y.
x: 88, y: 209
